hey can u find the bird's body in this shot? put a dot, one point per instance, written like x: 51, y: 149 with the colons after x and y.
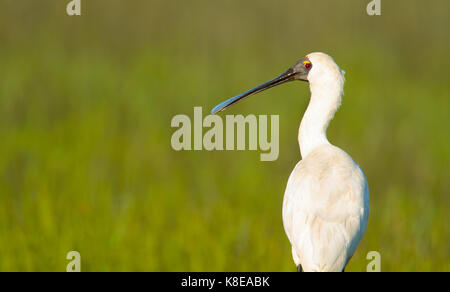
x: 325, y: 209
x: 326, y: 202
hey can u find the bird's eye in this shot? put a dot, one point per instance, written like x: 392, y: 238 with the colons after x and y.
x: 308, y: 65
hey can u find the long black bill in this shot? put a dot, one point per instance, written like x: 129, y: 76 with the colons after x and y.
x: 289, y: 75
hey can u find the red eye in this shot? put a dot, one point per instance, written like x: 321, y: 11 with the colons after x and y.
x: 308, y: 65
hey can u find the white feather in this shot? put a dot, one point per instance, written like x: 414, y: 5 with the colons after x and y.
x: 326, y: 202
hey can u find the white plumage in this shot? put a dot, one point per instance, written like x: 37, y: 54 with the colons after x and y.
x: 326, y: 202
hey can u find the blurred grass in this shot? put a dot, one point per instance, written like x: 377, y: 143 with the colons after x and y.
x: 85, y: 109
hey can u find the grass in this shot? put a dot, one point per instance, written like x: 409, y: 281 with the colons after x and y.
x: 85, y: 110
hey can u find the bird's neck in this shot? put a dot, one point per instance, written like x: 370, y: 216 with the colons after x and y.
x: 324, y: 102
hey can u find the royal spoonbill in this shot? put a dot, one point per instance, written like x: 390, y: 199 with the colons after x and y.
x: 326, y: 202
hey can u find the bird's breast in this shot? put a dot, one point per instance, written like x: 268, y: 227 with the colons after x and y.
x: 326, y: 201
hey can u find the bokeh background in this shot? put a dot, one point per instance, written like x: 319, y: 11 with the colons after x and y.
x: 86, y: 103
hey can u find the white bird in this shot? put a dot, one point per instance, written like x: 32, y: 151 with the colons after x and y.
x: 326, y: 202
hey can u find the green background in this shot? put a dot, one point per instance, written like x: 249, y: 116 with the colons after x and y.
x: 86, y: 103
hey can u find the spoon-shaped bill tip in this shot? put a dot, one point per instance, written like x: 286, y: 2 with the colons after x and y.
x: 223, y: 105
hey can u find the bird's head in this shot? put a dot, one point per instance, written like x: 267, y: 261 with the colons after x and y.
x: 324, y: 72
x: 318, y: 69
